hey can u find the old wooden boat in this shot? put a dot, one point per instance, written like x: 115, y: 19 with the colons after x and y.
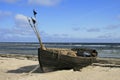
x: 61, y: 58
x: 65, y: 58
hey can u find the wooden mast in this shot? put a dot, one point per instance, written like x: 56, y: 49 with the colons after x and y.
x: 33, y: 24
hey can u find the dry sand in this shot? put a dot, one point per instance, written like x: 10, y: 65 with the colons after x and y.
x: 16, y: 69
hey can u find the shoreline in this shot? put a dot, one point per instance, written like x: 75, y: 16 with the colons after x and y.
x: 20, y: 56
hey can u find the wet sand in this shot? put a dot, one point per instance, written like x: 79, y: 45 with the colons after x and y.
x: 18, y: 69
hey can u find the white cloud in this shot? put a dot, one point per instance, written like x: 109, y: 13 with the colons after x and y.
x: 35, y: 2
x: 76, y: 28
x: 111, y: 27
x: 4, y: 14
x: 15, y: 35
x: 109, y: 36
x: 20, y: 17
x: 21, y: 31
x: 9, y: 1
x: 22, y: 26
x: 118, y: 16
x: 93, y: 30
x: 21, y: 20
x: 105, y: 36
x: 45, y: 2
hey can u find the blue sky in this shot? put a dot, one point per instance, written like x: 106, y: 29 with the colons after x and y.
x: 61, y: 20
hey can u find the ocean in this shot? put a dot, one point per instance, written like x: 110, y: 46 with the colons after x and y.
x: 106, y: 50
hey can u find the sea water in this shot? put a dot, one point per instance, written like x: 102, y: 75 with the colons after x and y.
x: 110, y: 50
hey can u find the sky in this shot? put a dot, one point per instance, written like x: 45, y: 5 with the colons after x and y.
x: 61, y: 20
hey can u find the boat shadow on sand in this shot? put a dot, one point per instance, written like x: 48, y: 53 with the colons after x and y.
x: 27, y: 69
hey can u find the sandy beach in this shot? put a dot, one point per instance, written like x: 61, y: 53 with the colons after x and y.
x: 18, y: 69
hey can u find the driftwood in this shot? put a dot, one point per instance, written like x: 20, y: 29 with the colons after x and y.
x: 108, y: 61
x: 105, y: 65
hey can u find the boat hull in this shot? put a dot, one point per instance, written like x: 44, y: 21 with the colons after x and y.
x: 48, y: 58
